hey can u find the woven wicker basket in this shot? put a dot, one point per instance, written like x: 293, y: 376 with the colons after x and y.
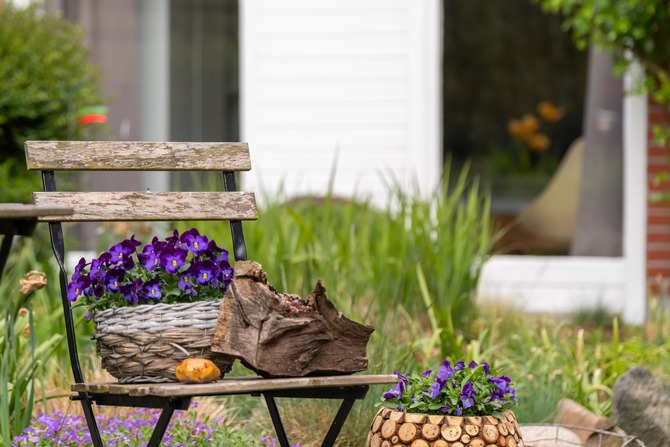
x: 142, y: 344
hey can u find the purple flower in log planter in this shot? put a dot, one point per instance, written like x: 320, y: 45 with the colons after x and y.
x: 464, y: 390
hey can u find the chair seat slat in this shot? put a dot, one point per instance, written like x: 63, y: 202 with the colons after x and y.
x: 152, y: 206
x: 136, y: 156
x: 236, y: 385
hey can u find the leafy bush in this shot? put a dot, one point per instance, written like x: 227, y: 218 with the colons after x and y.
x: 45, y: 79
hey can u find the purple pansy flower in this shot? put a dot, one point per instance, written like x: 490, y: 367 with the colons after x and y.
x: 152, y: 290
x: 445, y: 372
x: 435, y: 390
x: 206, y: 272
x: 123, y: 249
x: 196, y: 243
x: 500, y: 382
x: 116, y: 254
x: 186, y: 284
x: 113, y: 279
x: 467, y: 395
x: 76, y: 288
x: 77, y: 269
x: 396, y: 391
x: 97, y: 268
x: 172, y: 260
x: 129, y: 291
x: 149, y: 258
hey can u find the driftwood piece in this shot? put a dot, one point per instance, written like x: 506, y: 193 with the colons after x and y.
x: 281, y: 335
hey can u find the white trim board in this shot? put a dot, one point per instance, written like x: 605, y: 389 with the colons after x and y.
x: 635, y: 198
x: 552, y: 284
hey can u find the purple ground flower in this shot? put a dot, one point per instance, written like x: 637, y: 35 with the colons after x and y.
x: 130, y: 431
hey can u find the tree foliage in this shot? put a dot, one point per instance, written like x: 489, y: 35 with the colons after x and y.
x: 631, y: 30
x: 45, y: 78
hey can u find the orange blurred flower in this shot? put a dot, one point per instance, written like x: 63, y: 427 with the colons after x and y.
x: 549, y: 112
x: 538, y: 142
x: 523, y: 128
x: 527, y: 128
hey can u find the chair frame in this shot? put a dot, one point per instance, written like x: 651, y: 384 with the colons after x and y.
x: 229, y: 158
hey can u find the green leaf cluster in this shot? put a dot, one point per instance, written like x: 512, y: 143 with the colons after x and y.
x: 46, y: 76
x: 631, y: 30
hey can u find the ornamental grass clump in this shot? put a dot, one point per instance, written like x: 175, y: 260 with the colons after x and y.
x: 461, y: 390
x: 180, y: 269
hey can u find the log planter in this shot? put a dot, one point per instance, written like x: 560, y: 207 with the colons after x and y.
x: 392, y: 428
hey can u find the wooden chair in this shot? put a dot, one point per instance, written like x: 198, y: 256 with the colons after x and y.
x: 229, y: 205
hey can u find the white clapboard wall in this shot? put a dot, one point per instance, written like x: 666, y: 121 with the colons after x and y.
x: 341, y: 90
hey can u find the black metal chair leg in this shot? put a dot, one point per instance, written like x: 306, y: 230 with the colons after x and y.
x: 276, y: 421
x: 93, y: 430
x: 338, y: 422
x: 161, y: 426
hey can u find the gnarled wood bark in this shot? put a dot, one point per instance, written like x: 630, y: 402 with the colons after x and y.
x: 281, y: 335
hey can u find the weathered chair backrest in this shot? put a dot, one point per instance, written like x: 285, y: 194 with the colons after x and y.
x: 230, y: 204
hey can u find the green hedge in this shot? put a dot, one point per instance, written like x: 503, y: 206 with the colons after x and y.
x: 45, y: 78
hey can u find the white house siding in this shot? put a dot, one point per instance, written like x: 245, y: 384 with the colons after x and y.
x: 344, y: 86
x: 547, y: 284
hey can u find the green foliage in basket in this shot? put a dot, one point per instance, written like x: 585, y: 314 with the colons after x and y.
x: 180, y: 269
x: 461, y: 390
